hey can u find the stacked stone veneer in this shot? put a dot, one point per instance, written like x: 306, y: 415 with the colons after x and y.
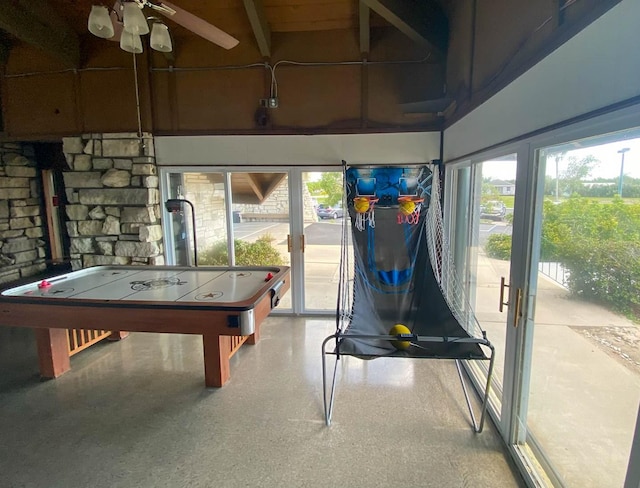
x: 22, y: 244
x: 112, y: 197
x: 206, y: 192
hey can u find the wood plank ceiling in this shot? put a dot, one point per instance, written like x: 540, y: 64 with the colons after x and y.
x: 60, y: 26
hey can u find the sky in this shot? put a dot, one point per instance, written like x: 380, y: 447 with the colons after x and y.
x: 609, y: 166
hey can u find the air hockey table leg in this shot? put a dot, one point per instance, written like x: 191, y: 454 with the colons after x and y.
x: 53, y: 352
x: 216, y: 359
x: 117, y: 335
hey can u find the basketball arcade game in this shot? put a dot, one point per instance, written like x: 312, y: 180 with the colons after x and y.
x: 224, y: 305
x: 403, y: 299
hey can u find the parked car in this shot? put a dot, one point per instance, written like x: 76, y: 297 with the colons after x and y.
x: 493, y: 209
x: 330, y: 211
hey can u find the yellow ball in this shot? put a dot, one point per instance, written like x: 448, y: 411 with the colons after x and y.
x: 361, y: 205
x: 408, y: 207
x: 400, y: 329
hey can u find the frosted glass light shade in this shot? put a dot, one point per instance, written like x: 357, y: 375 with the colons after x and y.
x: 130, y: 42
x: 100, y: 22
x: 160, y: 38
x: 134, y: 20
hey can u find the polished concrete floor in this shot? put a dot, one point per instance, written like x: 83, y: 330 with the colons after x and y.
x: 136, y: 414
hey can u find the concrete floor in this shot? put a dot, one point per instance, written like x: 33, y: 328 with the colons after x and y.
x: 136, y: 414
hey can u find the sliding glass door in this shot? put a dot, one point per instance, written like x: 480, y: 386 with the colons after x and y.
x: 323, y: 219
x: 553, y: 277
x: 481, y: 244
x: 580, y: 385
x: 289, y: 217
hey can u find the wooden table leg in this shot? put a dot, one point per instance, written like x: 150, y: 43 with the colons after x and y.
x: 53, y: 352
x: 255, y: 337
x: 116, y: 335
x: 216, y: 359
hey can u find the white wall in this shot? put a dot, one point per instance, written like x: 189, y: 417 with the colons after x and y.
x: 294, y: 150
x: 596, y: 68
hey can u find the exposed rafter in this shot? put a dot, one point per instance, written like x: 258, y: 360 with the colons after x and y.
x: 255, y: 187
x: 39, y: 24
x: 258, y: 19
x: 365, y: 16
x: 422, y: 21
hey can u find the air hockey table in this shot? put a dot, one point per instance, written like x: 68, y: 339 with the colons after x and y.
x: 219, y: 303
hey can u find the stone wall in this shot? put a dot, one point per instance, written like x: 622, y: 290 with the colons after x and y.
x: 22, y: 244
x: 206, y: 192
x: 112, y: 197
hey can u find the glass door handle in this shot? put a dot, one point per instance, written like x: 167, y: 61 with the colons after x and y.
x: 517, y: 312
x: 290, y: 243
x: 503, y: 285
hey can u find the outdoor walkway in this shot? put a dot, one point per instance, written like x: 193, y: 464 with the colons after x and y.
x: 584, y: 391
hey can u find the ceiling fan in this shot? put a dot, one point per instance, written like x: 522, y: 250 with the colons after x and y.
x: 126, y: 22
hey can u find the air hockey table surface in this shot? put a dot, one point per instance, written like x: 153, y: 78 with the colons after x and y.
x: 216, y: 302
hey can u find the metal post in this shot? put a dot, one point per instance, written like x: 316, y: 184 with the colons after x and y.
x: 175, y: 205
x: 621, y: 151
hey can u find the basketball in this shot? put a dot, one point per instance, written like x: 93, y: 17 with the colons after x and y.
x: 407, y: 207
x: 400, y: 329
x: 361, y: 205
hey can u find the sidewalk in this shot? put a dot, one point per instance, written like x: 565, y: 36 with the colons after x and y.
x: 583, y: 397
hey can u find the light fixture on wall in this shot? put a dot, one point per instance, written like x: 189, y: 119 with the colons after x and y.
x: 126, y: 22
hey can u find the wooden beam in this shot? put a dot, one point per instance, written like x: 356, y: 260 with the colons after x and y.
x: 365, y: 16
x: 255, y: 187
x: 422, y: 21
x: 38, y: 24
x: 258, y: 19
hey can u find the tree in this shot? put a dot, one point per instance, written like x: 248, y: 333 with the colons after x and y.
x: 330, y: 184
x: 576, y: 172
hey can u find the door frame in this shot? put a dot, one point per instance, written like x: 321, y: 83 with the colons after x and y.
x: 296, y: 219
x: 526, y: 226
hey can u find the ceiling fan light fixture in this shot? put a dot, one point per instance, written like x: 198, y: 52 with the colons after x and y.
x: 99, y: 23
x: 134, y: 20
x: 130, y: 42
x: 160, y: 38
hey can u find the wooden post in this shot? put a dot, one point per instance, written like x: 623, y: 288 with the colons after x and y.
x: 216, y: 359
x: 117, y: 335
x: 53, y: 352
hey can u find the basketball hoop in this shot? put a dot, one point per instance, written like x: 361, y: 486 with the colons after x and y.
x: 409, y: 210
x: 364, y: 211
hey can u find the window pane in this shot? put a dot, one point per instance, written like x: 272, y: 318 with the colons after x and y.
x: 585, y: 364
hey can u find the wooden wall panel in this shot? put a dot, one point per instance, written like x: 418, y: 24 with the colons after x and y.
x: 217, y: 100
x: 38, y: 105
x: 320, y: 96
x: 212, y: 90
x: 459, y: 59
x: 506, y: 29
x: 108, y: 101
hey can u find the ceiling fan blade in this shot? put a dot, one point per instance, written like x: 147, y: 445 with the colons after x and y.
x: 198, y: 26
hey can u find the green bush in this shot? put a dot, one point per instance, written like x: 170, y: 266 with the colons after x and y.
x: 597, y: 242
x: 258, y: 253
x: 606, y: 272
x: 498, y: 246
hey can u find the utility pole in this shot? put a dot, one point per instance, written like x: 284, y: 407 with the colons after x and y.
x: 621, y: 151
